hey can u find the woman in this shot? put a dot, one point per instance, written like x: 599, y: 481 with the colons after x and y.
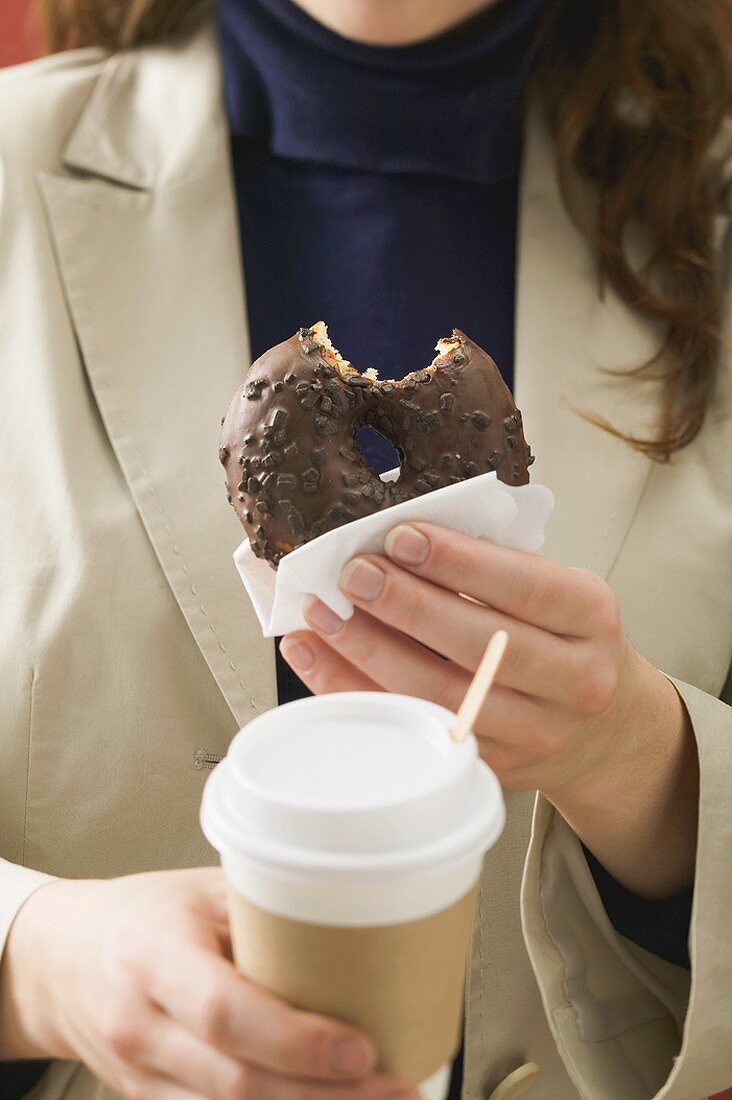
x: 388, y: 163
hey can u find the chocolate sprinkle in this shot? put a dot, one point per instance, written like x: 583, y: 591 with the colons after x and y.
x: 304, y: 472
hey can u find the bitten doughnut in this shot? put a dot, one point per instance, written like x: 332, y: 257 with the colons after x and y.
x: 289, y: 446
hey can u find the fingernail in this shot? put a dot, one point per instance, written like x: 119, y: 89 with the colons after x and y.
x: 363, y: 579
x: 297, y: 654
x: 321, y: 617
x: 407, y: 545
x: 351, y: 1057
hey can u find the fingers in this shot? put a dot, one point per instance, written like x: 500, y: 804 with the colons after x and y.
x: 525, y: 586
x: 143, y: 1086
x: 536, y: 662
x: 507, y: 715
x: 165, y: 1048
x: 174, y: 1053
x: 131, y: 1045
x: 304, y: 654
x: 242, y: 1020
x: 389, y: 659
x: 258, y: 1085
x: 264, y: 1086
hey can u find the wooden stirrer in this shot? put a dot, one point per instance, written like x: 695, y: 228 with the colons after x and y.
x: 479, y: 686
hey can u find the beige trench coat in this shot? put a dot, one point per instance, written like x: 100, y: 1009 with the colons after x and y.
x: 126, y: 642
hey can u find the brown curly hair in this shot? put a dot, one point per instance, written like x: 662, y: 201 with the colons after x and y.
x: 650, y: 87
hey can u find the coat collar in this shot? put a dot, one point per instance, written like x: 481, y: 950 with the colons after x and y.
x: 155, y: 116
x: 146, y: 237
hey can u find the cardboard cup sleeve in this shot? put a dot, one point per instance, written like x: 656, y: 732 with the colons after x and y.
x: 400, y: 983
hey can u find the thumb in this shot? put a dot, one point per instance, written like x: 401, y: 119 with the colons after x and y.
x: 207, y: 904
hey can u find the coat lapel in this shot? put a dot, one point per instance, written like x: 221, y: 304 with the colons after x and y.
x: 146, y: 238
x: 565, y: 333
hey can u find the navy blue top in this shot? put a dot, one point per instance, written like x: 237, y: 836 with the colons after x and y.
x: 377, y: 189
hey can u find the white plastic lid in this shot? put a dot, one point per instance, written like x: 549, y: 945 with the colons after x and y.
x: 352, y: 783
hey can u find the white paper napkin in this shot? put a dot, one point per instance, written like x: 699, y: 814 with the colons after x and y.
x: 481, y: 506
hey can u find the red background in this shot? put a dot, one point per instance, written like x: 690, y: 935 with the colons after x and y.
x: 20, y: 40
x: 19, y: 37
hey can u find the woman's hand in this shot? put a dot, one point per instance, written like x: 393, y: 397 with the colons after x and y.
x: 576, y: 712
x: 131, y: 976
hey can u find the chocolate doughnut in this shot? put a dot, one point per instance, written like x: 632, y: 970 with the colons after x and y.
x: 294, y: 468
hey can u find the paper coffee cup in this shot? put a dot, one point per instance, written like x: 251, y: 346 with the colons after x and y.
x: 351, y: 830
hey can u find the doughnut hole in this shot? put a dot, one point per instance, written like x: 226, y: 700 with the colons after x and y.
x: 379, y: 452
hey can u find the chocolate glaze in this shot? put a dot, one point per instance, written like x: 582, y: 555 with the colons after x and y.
x: 294, y: 469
